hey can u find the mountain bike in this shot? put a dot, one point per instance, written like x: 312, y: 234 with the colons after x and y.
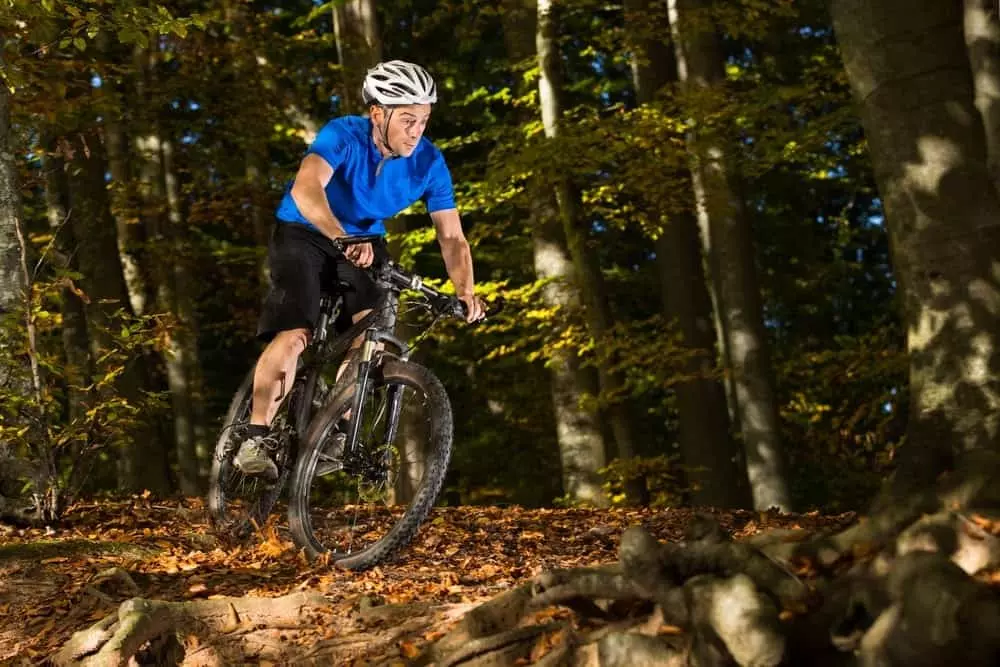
x: 368, y: 429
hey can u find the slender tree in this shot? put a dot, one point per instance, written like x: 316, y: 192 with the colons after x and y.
x: 728, y: 242
x: 706, y: 445
x: 578, y: 433
x: 169, y: 267
x: 586, y: 267
x: 78, y: 365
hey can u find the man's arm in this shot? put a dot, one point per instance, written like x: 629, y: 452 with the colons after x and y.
x: 457, y: 259
x: 308, y: 192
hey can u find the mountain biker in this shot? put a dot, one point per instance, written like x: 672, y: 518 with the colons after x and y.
x: 356, y: 173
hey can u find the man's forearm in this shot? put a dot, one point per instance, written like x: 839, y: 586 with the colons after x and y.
x: 458, y: 263
x: 312, y: 204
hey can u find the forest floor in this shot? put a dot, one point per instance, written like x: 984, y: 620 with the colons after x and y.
x: 56, y: 581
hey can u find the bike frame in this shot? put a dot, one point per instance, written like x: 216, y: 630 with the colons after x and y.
x: 378, y: 329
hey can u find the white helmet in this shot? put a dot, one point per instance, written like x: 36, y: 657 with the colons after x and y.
x: 398, y: 82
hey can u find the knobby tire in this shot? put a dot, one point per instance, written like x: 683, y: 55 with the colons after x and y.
x: 391, y: 371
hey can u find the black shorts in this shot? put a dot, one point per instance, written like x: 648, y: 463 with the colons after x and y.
x: 304, y: 265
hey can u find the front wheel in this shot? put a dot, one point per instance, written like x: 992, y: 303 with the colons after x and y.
x: 360, y: 507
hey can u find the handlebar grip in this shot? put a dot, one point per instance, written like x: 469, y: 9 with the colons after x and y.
x: 343, y: 242
x: 460, y: 310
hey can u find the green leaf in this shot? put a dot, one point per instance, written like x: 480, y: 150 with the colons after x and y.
x: 80, y: 43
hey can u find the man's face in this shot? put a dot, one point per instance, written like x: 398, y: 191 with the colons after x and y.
x: 406, y: 125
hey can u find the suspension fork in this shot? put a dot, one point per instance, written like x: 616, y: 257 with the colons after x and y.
x: 360, y: 390
x: 395, y: 397
x: 373, y: 337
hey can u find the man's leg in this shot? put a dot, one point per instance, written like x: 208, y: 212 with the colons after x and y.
x: 296, y: 261
x: 275, y: 372
x: 272, y: 379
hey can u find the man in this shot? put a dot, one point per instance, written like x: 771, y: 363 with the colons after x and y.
x: 356, y: 173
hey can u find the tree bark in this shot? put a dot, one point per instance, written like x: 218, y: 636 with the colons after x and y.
x: 909, y: 70
x: 982, y: 41
x: 728, y: 241
x: 578, y: 432
x: 706, y: 445
x: 586, y: 266
x: 359, y: 47
x: 11, y: 281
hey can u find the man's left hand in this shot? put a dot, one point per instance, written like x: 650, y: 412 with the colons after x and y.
x: 475, y: 309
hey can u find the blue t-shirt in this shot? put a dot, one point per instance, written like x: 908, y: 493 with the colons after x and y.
x: 361, y: 198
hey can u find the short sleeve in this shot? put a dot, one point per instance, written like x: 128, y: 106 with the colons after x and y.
x: 331, y: 144
x: 440, y: 194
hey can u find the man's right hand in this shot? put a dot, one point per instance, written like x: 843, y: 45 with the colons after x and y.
x: 360, y: 254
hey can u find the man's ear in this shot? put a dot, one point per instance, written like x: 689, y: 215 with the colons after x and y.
x: 376, y: 113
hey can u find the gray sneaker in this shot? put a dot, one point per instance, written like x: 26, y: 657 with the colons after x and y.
x: 254, y: 460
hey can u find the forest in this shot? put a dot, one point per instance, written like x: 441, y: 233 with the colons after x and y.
x: 749, y: 258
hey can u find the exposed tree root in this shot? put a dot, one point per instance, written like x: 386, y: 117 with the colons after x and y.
x: 708, y: 602
x: 138, y: 622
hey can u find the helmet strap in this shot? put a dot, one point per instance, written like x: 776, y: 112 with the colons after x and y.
x: 385, y: 132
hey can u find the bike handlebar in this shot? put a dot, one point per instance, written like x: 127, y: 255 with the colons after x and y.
x: 400, y: 278
x: 446, y: 304
x: 344, y: 242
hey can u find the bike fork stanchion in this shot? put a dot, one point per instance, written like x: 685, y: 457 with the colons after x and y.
x: 395, y: 398
x: 360, y: 389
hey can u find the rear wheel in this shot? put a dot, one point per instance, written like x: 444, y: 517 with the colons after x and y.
x: 238, y: 504
x: 360, y: 509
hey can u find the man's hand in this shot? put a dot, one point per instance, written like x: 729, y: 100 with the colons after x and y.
x: 475, y: 309
x: 360, y: 254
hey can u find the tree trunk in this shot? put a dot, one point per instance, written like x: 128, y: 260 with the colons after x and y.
x: 78, y: 368
x: 359, y: 47
x: 256, y: 166
x: 11, y: 281
x: 704, y: 430
x: 143, y: 461
x: 578, y: 431
x: 727, y: 237
x: 586, y: 265
x: 131, y: 239
x: 162, y: 220
x: 14, y: 278
x: 982, y: 41
x: 192, y: 448
x: 909, y: 69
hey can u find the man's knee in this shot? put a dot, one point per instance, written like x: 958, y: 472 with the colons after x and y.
x: 291, y: 342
